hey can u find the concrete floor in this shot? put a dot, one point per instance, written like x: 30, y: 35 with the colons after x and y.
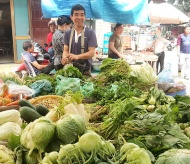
x: 6, y: 58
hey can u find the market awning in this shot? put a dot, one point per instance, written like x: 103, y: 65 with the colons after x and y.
x: 165, y: 13
x: 116, y: 11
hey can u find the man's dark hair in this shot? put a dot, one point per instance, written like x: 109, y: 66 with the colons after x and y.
x: 117, y: 25
x: 77, y: 7
x: 26, y: 45
x: 63, y: 19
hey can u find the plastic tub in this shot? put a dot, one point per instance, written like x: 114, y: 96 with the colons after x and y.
x: 96, y: 66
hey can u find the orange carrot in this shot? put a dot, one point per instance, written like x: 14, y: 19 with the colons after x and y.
x: 9, y: 96
x: 13, y: 103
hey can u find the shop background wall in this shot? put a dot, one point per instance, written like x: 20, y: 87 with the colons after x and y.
x: 21, y: 24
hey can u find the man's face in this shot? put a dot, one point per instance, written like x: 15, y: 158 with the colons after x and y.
x: 187, y: 30
x: 31, y: 49
x: 78, y: 18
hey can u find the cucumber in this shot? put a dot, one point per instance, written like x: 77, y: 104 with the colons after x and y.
x: 42, y: 110
x: 24, y: 102
x: 28, y: 114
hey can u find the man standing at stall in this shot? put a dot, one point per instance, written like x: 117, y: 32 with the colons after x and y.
x: 183, y: 51
x: 79, y: 42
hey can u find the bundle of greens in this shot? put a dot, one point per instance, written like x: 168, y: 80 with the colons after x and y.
x: 69, y: 72
x: 119, y: 112
x: 112, y: 92
x: 113, y: 70
x: 156, y: 132
x: 11, y: 77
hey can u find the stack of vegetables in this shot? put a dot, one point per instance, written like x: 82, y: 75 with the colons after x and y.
x: 128, y: 124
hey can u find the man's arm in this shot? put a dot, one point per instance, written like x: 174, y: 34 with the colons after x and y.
x: 149, y: 45
x: 65, y: 55
x: 38, y: 66
x: 86, y: 55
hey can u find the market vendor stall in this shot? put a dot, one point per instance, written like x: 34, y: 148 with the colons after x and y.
x: 139, y: 57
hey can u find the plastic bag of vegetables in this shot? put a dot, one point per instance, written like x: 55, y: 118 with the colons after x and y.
x: 69, y: 127
x: 38, y: 134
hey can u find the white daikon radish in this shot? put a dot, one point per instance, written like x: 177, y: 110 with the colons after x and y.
x: 87, y: 117
x: 70, y: 109
x: 80, y: 109
x: 53, y: 115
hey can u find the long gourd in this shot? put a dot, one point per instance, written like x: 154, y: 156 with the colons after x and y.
x: 29, y: 114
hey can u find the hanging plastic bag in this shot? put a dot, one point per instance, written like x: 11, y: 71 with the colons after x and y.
x: 16, y: 89
x: 166, y: 76
x: 42, y: 87
x: 65, y: 84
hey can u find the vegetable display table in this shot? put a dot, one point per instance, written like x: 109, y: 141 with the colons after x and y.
x: 148, y: 57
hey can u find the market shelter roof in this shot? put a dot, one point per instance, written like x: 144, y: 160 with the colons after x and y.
x: 116, y: 11
x: 165, y: 13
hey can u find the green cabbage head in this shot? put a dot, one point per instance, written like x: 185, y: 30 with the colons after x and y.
x: 69, y: 127
x: 6, y: 155
x: 174, y: 156
x: 38, y: 134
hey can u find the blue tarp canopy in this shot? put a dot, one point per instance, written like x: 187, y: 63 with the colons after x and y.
x: 116, y: 11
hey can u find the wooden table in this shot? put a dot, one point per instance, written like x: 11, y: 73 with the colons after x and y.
x: 148, y: 57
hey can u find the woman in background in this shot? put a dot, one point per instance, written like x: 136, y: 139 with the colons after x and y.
x: 52, y: 26
x: 116, y: 42
x: 63, y: 23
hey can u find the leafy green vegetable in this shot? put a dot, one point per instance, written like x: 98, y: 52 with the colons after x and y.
x: 11, y: 77
x: 109, y: 71
x: 14, y: 141
x: 142, y: 75
x: 69, y: 72
x: 174, y: 156
x: 29, y: 80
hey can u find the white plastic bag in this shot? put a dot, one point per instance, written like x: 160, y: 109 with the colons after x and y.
x: 19, y: 89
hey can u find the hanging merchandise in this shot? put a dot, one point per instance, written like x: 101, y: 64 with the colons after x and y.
x: 106, y: 42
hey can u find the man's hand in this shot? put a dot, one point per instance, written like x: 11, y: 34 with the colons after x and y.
x: 65, y: 60
x: 72, y: 57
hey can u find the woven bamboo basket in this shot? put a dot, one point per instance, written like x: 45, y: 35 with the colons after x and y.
x: 49, y: 101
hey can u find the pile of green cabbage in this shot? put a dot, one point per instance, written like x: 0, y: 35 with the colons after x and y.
x: 43, y: 135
